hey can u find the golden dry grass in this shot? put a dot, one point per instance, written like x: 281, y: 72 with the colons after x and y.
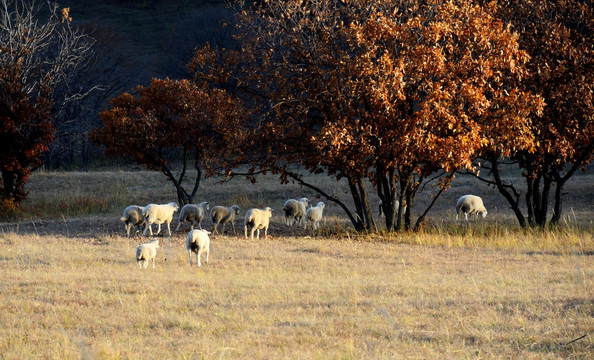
x: 292, y: 298
x: 70, y: 289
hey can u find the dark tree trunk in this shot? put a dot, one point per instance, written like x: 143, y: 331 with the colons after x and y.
x: 558, y: 203
x: 367, y: 213
x: 360, y: 224
x: 503, y: 190
x: 387, y: 192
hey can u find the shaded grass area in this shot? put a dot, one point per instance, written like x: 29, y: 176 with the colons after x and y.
x: 291, y: 298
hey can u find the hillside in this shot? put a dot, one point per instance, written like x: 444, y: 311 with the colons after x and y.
x: 150, y: 28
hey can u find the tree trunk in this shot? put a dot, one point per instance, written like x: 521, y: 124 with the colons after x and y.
x: 8, y: 179
x: 501, y: 187
x: 387, y: 192
x: 541, y: 219
x: 530, y: 199
x: 558, y: 203
x: 367, y: 213
x: 404, y: 191
x: 359, y: 225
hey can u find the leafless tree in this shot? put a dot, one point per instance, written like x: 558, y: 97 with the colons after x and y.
x: 50, y: 51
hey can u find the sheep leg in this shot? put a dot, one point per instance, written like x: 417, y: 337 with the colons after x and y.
x: 190, y: 256
x: 207, y: 252
x: 153, y: 263
x: 149, y: 228
x: 168, y: 229
x: 198, y: 256
x: 178, y: 225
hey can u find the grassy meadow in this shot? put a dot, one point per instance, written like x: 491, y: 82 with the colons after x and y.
x: 70, y: 287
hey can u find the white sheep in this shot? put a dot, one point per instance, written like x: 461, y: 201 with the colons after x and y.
x: 314, y: 215
x: 159, y: 214
x: 381, y: 208
x: 193, y: 214
x: 470, y: 205
x: 198, y: 242
x: 257, y: 219
x: 132, y: 216
x: 223, y: 215
x: 295, y: 211
x: 146, y: 252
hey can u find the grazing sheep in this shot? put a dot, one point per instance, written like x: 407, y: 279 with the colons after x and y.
x: 381, y: 208
x: 314, y: 215
x: 198, y: 242
x: 159, y: 214
x: 193, y: 214
x: 146, y: 252
x: 295, y: 210
x: 257, y: 219
x: 224, y: 215
x: 133, y: 217
x: 470, y: 205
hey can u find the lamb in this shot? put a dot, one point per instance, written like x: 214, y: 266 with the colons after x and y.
x: 224, y: 215
x: 133, y: 217
x: 159, y: 214
x: 146, y: 252
x: 198, y: 242
x: 470, y: 205
x: 295, y: 210
x: 193, y: 214
x: 257, y: 219
x: 314, y: 215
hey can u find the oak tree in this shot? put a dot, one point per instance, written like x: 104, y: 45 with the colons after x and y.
x: 170, y: 125
x: 559, y: 37
x: 397, y: 93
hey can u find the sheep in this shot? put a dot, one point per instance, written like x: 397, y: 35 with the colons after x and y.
x: 469, y: 205
x: 146, y: 252
x: 224, y: 215
x: 314, y: 215
x: 133, y: 217
x: 257, y: 219
x: 198, y: 242
x: 381, y: 208
x: 159, y: 214
x: 193, y: 214
x: 295, y: 210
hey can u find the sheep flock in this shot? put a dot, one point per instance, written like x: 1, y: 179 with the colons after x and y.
x: 255, y: 219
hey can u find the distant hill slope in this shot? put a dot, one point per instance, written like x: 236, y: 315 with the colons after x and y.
x: 150, y: 27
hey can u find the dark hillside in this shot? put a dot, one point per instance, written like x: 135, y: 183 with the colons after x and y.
x: 151, y: 28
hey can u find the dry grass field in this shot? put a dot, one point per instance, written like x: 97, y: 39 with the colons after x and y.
x: 70, y: 287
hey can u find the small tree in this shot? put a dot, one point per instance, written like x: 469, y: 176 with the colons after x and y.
x: 173, y: 122
x: 25, y: 133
